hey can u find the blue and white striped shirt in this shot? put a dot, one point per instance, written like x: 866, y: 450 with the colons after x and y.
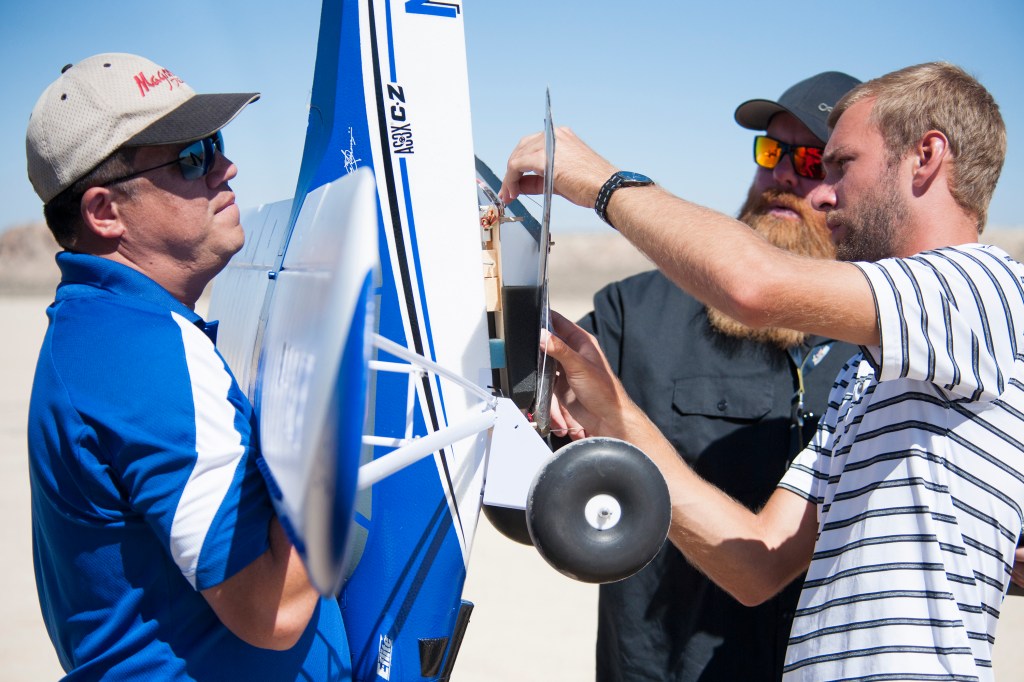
x: 917, y: 470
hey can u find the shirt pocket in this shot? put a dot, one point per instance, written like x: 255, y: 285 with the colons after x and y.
x: 739, y: 398
x: 726, y: 429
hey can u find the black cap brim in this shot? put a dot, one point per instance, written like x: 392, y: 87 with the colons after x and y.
x: 756, y: 114
x: 199, y: 117
x: 811, y: 101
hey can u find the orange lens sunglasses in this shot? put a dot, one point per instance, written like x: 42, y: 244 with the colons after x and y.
x: 806, y: 160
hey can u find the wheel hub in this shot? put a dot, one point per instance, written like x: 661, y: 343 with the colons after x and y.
x: 603, y: 512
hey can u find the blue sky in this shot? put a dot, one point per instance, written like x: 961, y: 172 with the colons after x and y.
x: 651, y: 85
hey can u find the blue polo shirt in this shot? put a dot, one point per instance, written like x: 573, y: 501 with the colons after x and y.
x: 146, y: 490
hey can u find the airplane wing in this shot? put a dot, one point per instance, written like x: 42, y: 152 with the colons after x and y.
x: 390, y: 361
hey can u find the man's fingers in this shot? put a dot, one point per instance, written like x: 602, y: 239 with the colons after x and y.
x: 575, y: 428
x: 559, y: 425
x: 509, y: 189
x: 575, y: 337
x: 526, y: 184
x: 557, y: 348
x: 515, y: 185
x: 564, y: 327
x: 579, y: 171
x: 526, y: 159
x: 563, y: 423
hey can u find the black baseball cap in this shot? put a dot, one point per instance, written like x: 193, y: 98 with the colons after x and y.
x: 810, y: 100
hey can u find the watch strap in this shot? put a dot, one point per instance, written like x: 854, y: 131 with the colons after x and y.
x: 618, y: 180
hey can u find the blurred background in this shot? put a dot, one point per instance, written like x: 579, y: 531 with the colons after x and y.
x: 651, y: 85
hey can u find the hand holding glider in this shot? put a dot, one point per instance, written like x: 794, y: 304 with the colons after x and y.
x: 579, y: 170
x: 590, y: 400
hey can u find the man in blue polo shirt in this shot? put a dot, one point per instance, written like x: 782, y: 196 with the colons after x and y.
x: 157, y: 550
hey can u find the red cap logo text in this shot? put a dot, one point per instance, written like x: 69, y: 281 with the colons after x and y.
x: 146, y: 83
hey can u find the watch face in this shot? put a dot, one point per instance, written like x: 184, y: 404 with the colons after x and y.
x: 630, y: 176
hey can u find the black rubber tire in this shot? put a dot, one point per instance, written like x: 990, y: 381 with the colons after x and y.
x: 509, y: 522
x: 558, y: 498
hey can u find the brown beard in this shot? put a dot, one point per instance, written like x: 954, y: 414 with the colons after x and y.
x: 808, y: 236
x: 872, y: 228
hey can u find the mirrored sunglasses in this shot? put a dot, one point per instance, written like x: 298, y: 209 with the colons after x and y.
x: 806, y: 160
x: 194, y: 161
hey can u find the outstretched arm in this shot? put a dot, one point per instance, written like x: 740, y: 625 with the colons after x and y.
x: 751, y: 556
x: 715, y: 258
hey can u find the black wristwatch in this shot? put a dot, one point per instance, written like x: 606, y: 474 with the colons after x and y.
x: 617, y: 180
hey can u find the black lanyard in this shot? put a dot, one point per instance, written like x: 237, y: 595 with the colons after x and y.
x: 804, y: 359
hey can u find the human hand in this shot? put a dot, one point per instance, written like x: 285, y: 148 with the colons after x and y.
x: 1017, y: 574
x: 562, y: 422
x: 579, y: 170
x: 589, y: 399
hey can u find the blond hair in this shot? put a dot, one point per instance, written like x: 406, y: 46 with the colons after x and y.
x: 940, y: 96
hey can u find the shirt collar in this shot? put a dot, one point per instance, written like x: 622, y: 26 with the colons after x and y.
x: 82, y: 274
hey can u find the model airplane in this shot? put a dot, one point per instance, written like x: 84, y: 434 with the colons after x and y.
x: 393, y: 371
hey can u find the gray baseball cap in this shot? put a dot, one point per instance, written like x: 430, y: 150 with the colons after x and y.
x: 115, y: 100
x: 810, y: 100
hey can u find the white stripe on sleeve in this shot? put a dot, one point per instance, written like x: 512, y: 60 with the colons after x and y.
x: 218, y: 448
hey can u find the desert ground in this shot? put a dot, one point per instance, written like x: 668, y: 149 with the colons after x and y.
x: 530, y: 622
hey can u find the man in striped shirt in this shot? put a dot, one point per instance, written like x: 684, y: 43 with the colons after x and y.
x: 905, y: 509
x: 738, y: 404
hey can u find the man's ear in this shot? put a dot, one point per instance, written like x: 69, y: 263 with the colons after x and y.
x: 100, y: 213
x: 931, y: 154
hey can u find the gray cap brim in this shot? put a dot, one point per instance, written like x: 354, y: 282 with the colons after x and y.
x: 199, y: 117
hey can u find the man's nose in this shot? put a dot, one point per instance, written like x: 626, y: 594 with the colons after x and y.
x: 783, y: 173
x: 823, y: 196
x: 224, y: 170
